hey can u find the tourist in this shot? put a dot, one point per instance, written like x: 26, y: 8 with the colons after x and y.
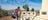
x: 15, y: 15
x: 19, y: 12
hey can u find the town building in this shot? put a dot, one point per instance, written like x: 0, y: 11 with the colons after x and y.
x: 27, y: 15
x: 43, y: 15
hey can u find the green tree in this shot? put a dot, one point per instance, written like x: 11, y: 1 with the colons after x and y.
x: 3, y: 12
x: 32, y: 9
x: 0, y: 7
x: 26, y: 7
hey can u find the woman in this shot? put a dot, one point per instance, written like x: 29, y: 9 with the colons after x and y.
x: 15, y: 15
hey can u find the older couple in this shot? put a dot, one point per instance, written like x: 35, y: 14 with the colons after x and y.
x: 16, y: 14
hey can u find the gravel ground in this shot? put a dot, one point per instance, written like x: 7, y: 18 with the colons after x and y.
x: 6, y: 18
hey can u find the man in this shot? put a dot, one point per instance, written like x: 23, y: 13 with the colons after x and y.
x: 15, y: 15
x: 19, y: 12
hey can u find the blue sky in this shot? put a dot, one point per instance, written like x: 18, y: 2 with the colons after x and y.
x: 13, y: 4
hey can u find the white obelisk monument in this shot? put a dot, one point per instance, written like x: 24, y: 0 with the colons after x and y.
x: 44, y: 9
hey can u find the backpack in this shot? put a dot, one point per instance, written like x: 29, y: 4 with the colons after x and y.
x: 14, y: 15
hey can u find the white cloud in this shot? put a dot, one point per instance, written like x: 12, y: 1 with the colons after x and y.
x: 34, y: 5
x: 22, y: 1
x: 3, y: 0
x: 8, y: 6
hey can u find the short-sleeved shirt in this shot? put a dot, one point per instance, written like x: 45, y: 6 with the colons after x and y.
x: 19, y: 12
x: 15, y: 14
